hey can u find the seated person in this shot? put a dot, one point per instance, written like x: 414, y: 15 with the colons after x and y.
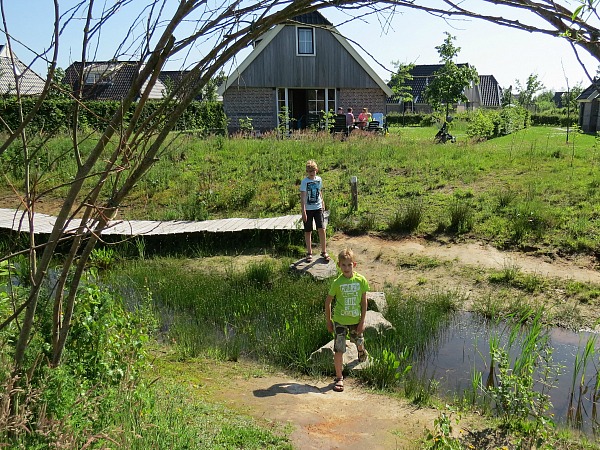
x: 350, y: 118
x: 364, y: 118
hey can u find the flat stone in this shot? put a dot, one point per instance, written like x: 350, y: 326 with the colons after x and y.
x: 376, y: 302
x: 321, y: 360
x: 318, y: 268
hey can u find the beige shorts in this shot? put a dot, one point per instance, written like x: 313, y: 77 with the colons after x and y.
x: 343, y: 331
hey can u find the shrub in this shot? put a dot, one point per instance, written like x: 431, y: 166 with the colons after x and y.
x: 481, y: 126
x: 407, y: 219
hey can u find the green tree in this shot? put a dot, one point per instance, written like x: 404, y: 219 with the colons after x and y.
x: 398, y: 81
x: 448, y: 86
x: 544, y: 102
x: 526, y: 93
x: 569, y: 98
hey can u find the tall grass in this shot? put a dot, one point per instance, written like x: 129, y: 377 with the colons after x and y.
x: 265, y: 313
x: 217, y: 177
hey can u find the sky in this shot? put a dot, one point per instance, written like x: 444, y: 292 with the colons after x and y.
x: 410, y: 37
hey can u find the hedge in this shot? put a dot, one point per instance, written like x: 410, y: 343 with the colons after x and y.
x: 56, y: 115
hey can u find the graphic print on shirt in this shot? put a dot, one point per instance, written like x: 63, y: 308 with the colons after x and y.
x: 351, y: 301
x: 312, y: 193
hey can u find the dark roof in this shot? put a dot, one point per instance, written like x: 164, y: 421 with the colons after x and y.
x: 422, y: 76
x: 590, y: 93
x: 114, y: 78
x: 30, y: 83
x: 176, y: 77
x: 312, y: 18
x: 490, y: 92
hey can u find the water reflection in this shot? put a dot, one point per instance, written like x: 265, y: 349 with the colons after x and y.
x: 462, y: 348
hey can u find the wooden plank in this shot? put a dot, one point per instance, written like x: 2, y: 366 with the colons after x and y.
x: 270, y: 223
x: 234, y: 224
x: 10, y: 219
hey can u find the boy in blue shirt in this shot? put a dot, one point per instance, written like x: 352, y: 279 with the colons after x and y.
x: 313, y: 206
x: 349, y: 310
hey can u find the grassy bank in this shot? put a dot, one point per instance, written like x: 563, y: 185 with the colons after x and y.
x: 531, y: 189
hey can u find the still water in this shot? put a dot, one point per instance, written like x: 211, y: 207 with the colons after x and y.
x: 463, y: 347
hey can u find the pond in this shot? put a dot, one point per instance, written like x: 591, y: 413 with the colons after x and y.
x: 463, y: 347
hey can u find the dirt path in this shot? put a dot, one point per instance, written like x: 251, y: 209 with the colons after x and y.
x: 378, y: 258
x: 322, y: 419
x: 357, y: 418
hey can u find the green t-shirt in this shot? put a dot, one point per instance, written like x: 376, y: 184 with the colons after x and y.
x: 348, y: 294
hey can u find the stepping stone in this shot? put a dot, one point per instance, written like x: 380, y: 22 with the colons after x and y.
x: 318, y: 268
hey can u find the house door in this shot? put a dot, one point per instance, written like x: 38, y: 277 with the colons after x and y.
x: 305, y: 106
x: 298, y: 107
x: 594, y: 116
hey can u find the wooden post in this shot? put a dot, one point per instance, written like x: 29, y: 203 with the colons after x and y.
x: 354, y: 191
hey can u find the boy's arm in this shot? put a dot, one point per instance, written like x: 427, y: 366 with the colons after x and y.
x: 328, y: 301
x: 363, y: 313
x: 303, y: 204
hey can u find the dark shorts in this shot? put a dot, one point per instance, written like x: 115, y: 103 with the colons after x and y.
x: 317, y: 216
x: 343, y: 331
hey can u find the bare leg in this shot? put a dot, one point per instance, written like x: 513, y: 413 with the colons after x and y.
x: 308, y: 240
x: 338, y: 362
x: 322, y: 239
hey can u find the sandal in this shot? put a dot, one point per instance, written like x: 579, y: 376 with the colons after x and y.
x: 339, y: 384
x: 325, y: 256
x: 362, y: 355
x: 308, y: 257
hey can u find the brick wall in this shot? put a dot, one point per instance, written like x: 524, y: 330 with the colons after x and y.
x: 357, y: 99
x: 256, y: 103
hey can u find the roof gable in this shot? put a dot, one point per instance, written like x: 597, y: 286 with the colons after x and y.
x: 30, y: 83
x: 489, y: 89
x: 262, y: 68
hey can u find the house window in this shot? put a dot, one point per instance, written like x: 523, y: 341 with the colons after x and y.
x: 92, y: 78
x: 306, y: 41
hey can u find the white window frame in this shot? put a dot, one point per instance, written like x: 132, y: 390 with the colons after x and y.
x: 314, y: 47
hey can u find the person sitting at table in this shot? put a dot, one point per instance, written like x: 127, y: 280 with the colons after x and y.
x: 364, y: 118
x: 349, y: 119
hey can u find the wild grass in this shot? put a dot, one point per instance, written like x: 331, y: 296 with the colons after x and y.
x: 265, y: 313
x: 545, y: 198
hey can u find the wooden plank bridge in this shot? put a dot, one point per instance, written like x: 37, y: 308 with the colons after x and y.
x: 43, y: 223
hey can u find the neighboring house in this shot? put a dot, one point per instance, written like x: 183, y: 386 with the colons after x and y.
x: 29, y: 82
x: 112, y: 80
x: 306, y: 66
x: 486, y: 94
x: 589, y: 103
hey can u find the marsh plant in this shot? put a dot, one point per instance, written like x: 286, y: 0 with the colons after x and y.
x: 522, y: 373
x: 579, y: 384
x: 442, y: 437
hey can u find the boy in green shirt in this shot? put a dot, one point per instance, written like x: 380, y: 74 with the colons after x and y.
x: 349, y: 310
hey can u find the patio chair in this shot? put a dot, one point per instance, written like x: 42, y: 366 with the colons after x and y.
x: 339, y: 126
x: 380, y: 118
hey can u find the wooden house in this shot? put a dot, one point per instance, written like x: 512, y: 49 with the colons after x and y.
x: 589, y: 105
x: 486, y: 94
x: 14, y: 73
x: 303, y: 65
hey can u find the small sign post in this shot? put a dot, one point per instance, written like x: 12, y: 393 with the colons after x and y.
x: 354, y: 190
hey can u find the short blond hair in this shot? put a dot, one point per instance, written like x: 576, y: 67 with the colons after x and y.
x: 346, y: 254
x: 311, y: 164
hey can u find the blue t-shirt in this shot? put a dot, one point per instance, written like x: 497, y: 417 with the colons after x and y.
x: 313, y: 192
x: 348, y: 294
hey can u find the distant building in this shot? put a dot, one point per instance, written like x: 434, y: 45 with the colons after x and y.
x: 14, y: 73
x: 486, y: 94
x: 589, y: 105
x: 306, y: 66
x: 112, y: 80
